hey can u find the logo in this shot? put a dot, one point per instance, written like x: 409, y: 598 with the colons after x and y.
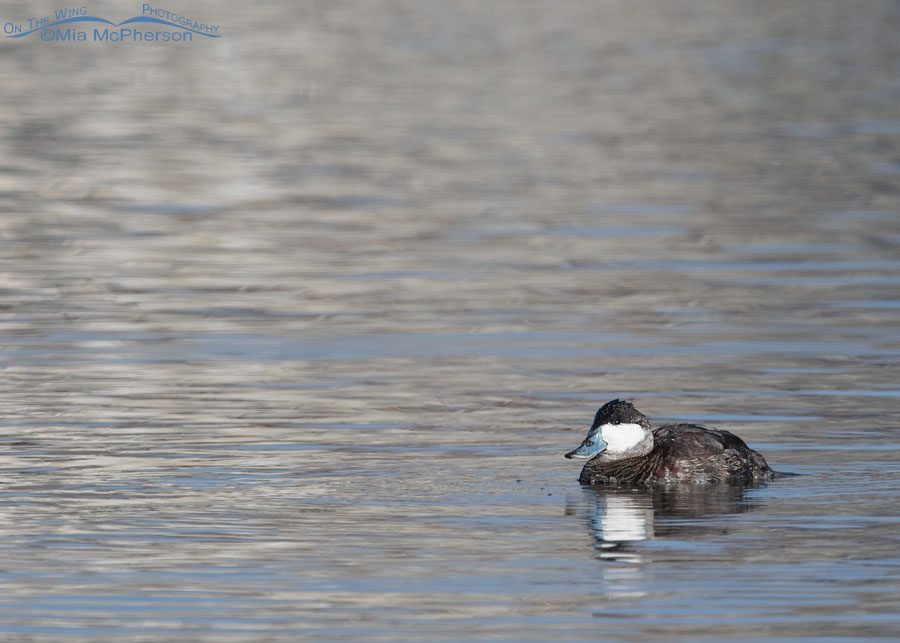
x: 73, y: 25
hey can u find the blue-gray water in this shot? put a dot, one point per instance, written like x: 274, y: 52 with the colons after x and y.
x: 296, y: 324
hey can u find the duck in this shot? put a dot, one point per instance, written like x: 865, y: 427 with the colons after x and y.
x: 622, y: 449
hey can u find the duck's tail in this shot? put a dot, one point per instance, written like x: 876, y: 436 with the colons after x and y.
x: 784, y: 474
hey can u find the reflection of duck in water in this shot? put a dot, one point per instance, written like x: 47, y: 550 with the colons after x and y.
x: 623, y: 450
x: 617, y: 519
x: 620, y: 517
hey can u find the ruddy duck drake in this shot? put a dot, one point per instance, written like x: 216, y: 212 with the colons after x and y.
x: 623, y: 450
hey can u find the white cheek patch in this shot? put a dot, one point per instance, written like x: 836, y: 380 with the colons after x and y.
x: 621, y: 437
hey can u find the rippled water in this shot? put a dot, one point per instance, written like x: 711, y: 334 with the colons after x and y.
x: 297, y: 324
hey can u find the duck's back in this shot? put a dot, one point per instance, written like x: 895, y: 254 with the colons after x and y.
x: 685, y: 453
x: 693, y: 453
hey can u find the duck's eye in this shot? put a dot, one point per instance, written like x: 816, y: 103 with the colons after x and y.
x: 590, y: 443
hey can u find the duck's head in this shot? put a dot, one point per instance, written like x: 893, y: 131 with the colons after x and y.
x: 618, y: 429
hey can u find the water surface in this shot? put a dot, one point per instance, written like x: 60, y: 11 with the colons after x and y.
x: 297, y: 324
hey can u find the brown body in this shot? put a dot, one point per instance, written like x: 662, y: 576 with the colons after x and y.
x: 683, y: 453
